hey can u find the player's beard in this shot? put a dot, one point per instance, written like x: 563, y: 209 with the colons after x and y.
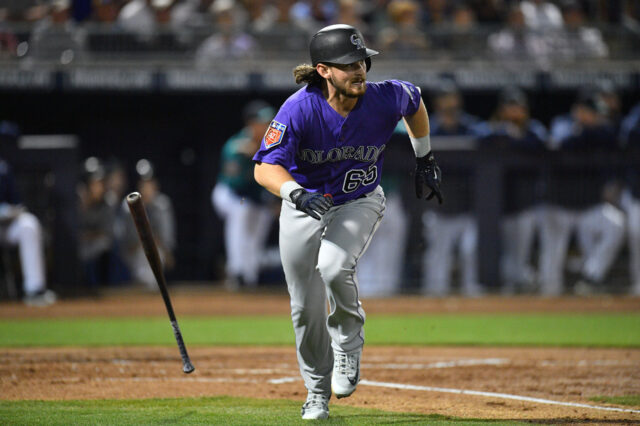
x: 349, y: 92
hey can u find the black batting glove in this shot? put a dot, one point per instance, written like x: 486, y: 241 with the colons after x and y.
x: 428, y: 173
x: 312, y: 203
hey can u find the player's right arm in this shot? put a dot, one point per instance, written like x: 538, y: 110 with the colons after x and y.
x: 277, y: 180
x: 272, y: 177
x: 276, y: 157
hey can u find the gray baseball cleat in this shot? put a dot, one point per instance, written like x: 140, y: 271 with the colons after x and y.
x: 316, y: 407
x: 346, y: 373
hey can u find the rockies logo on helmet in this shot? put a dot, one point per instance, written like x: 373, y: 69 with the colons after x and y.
x: 355, y: 40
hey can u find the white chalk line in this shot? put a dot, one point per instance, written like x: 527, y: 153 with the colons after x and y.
x: 494, y: 395
x: 439, y: 364
x: 372, y: 383
x: 160, y: 379
x: 284, y: 380
x: 590, y: 363
x: 470, y: 392
x: 182, y: 379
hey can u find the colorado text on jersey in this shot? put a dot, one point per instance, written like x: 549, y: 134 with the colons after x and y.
x: 366, y: 154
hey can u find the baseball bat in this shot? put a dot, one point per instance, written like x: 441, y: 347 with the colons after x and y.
x: 136, y: 206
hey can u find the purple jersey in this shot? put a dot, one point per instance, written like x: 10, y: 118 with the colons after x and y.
x: 330, y: 154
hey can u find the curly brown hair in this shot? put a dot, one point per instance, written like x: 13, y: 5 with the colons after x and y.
x: 306, y: 73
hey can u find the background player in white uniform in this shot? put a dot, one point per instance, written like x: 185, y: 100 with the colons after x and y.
x: 323, y: 155
x: 20, y: 228
x: 240, y: 201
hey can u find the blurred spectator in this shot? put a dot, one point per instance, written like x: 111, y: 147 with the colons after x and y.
x: 229, y: 41
x: 516, y: 41
x: 8, y: 39
x: 96, y: 224
x: 575, y: 40
x: 380, y: 270
x: 541, y: 15
x: 512, y: 124
x: 280, y: 27
x: 159, y: 209
x: 349, y: 12
x: 56, y: 37
x: 190, y: 18
x: 489, y: 11
x: 447, y: 117
x: 322, y: 11
x: 463, y: 18
x: 239, y: 200
x: 586, y: 127
x: 435, y: 13
x: 23, y: 10
x: 450, y: 231
x: 138, y: 17
x: 192, y: 12
x: 404, y: 37
x: 462, y: 38
x: 21, y: 229
x: 107, y: 11
x: 163, y: 10
x: 301, y: 15
x: 262, y: 15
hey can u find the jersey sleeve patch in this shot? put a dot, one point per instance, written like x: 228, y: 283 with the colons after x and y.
x: 274, y: 134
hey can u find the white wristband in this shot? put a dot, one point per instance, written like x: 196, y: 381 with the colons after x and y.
x: 287, y: 187
x: 421, y: 146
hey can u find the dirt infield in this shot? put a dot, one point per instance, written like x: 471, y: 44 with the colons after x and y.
x: 561, y: 375
x: 476, y: 382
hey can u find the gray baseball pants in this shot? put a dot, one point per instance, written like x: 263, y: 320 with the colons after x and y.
x: 319, y: 260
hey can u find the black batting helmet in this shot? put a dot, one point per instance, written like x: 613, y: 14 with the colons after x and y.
x: 339, y: 44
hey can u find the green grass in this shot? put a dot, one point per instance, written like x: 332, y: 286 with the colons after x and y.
x: 218, y: 410
x: 601, y: 330
x: 633, y: 400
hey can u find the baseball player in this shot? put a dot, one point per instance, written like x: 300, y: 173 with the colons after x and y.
x: 323, y: 155
x: 240, y: 202
x: 21, y: 229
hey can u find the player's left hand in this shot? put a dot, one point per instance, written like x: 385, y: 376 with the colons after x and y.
x: 428, y: 173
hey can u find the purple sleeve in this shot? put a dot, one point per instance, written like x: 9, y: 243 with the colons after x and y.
x: 280, y: 142
x: 407, y: 97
